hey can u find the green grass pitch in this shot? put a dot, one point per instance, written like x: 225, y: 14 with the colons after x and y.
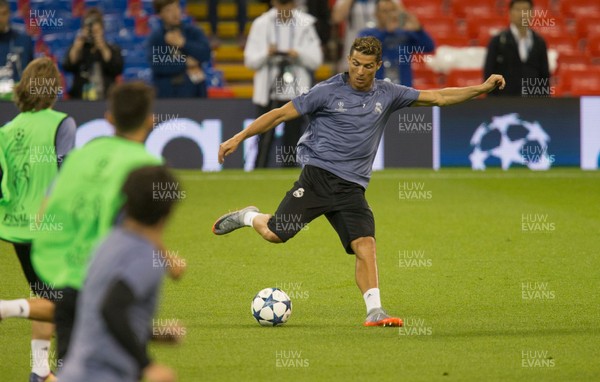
x: 495, y: 273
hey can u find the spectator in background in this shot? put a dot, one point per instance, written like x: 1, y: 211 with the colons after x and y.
x: 176, y: 53
x: 213, y: 17
x: 16, y: 46
x: 401, y: 35
x: 320, y: 10
x: 94, y: 62
x: 283, y: 48
x: 358, y: 15
x: 520, y: 55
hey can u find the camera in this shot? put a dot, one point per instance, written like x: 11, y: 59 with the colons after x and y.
x: 88, y: 26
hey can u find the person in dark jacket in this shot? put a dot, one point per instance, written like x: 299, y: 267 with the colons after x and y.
x: 15, y: 45
x: 402, y: 37
x: 520, y: 55
x: 176, y: 52
x: 94, y: 62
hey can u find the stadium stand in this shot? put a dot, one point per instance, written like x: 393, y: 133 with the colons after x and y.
x: 571, y: 29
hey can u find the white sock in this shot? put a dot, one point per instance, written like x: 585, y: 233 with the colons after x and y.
x: 249, y: 217
x: 39, y: 357
x: 14, y: 308
x: 372, y: 299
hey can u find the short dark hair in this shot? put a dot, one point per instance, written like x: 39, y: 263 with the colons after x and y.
x: 130, y: 104
x: 141, y: 203
x: 369, y: 46
x: 512, y: 2
x: 4, y: 3
x: 158, y: 5
x: 283, y: 2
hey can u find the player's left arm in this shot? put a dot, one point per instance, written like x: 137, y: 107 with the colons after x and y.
x: 452, y: 96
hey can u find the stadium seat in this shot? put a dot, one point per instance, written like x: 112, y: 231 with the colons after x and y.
x: 580, y: 8
x: 440, y: 26
x: 464, y: 77
x: 587, y: 26
x: 471, y: 8
x: 424, y: 78
x: 582, y: 82
x: 425, y: 8
x: 566, y: 45
x: 592, y: 48
x: 452, y: 41
x: 482, y: 29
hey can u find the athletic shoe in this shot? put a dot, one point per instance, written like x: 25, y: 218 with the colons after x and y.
x: 33, y: 377
x: 378, y: 317
x: 231, y: 221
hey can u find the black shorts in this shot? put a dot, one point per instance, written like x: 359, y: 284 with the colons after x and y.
x: 37, y: 286
x: 319, y: 192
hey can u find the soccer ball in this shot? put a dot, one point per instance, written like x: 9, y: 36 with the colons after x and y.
x: 271, y: 307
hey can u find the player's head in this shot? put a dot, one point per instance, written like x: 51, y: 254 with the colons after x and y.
x: 39, y: 87
x: 169, y: 11
x: 130, y: 108
x: 519, y: 12
x: 142, y: 203
x: 363, y: 62
x: 4, y: 15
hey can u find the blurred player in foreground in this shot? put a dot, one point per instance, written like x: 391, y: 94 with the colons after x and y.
x: 118, y: 301
x: 348, y: 114
x: 32, y: 148
x: 85, y: 200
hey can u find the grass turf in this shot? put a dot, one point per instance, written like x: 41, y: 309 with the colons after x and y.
x: 483, y: 300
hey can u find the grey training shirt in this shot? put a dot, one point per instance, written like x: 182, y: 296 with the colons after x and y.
x: 94, y: 354
x: 346, y: 125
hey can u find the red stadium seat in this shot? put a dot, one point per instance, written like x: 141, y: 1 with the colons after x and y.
x: 425, y: 8
x: 471, y: 8
x: 464, y: 77
x: 452, y: 41
x: 566, y: 45
x: 440, y: 26
x: 581, y: 82
x: 592, y: 47
x: 587, y: 26
x: 550, y: 26
x: 424, y: 78
x: 580, y: 8
x: 538, y: 5
x: 485, y: 26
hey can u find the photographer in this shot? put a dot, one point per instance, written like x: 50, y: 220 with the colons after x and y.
x: 95, y: 63
x: 283, y: 48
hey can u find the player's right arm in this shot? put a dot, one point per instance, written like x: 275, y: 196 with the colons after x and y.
x: 261, y: 125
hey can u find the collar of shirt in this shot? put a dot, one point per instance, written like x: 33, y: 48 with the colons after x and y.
x: 517, y: 36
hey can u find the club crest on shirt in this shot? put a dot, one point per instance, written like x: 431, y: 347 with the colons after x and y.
x: 340, y: 107
x: 299, y: 193
x: 378, y: 108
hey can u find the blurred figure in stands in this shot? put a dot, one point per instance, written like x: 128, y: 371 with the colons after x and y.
x: 401, y: 36
x: 520, y: 55
x: 16, y: 48
x: 358, y: 15
x: 176, y: 53
x: 94, y: 63
x: 284, y: 49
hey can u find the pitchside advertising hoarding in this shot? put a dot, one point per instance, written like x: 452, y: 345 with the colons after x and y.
x: 495, y: 132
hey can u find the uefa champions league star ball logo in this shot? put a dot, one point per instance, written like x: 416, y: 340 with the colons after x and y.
x: 511, y: 140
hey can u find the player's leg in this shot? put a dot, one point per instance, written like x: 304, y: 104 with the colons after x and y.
x: 64, y: 319
x: 36, y: 309
x: 354, y: 222
x: 304, y: 202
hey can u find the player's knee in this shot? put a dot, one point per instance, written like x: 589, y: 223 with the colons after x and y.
x: 271, y: 237
x: 364, y: 246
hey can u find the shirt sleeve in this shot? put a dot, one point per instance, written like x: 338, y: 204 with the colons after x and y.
x: 403, y: 96
x: 65, y: 139
x: 312, y: 100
